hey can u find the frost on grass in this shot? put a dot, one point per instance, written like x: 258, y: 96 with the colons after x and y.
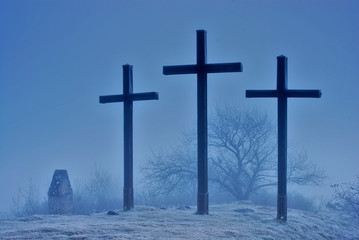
x: 226, y: 221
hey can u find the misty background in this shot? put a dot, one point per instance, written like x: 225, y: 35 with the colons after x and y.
x: 58, y: 57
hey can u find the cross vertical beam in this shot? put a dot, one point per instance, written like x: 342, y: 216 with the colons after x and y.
x: 202, y: 123
x: 282, y: 138
x: 202, y: 69
x: 282, y: 94
x: 128, y: 199
x: 127, y: 98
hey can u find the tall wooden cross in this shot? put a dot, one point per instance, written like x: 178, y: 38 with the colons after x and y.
x: 202, y: 68
x: 127, y: 98
x: 282, y: 93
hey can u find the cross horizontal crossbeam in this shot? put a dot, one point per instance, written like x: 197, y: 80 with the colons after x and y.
x: 207, y: 68
x: 131, y: 97
x: 287, y: 93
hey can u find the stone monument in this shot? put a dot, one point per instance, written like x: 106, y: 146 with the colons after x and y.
x: 60, y: 194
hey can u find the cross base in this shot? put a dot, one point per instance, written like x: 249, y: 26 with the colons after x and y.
x: 282, y: 207
x: 127, y: 199
x: 202, y: 203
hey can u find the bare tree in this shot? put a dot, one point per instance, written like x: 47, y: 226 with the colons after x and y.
x: 242, y: 157
x: 98, y: 193
x: 29, y: 201
x: 100, y: 186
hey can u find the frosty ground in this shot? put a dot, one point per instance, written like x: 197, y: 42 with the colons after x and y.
x: 241, y: 220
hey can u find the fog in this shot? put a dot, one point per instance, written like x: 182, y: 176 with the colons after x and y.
x: 58, y: 57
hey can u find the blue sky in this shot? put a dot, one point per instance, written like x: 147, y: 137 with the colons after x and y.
x: 57, y: 57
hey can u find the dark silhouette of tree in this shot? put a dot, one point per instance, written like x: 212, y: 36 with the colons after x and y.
x: 242, y: 158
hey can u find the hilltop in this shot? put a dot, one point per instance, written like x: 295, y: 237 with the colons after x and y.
x: 241, y: 220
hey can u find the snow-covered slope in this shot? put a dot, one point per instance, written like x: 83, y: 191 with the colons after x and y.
x: 227, y: 221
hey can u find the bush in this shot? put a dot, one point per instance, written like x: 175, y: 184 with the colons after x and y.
x: 294, y: 199
x: 346, y: 198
